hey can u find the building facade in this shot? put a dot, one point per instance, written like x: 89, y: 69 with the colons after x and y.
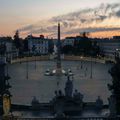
x: 11, y: 51
x: 38, y: 45
x: 108, y: 47
x: 69, y: 41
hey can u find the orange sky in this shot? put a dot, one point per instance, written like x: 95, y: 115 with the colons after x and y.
x: 105, y: 34
x: 108, y: 34
x: 17, y: 14
x: 102, y: 34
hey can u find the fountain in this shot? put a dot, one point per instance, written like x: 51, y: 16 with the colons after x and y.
x: 58, y: 71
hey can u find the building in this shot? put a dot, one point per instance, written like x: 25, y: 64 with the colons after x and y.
x: 69, y: 41
x: 11, y: 51
x: 108, y: 47
x: 38, y: 45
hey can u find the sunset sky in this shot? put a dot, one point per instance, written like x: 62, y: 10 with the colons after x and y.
x: 99, y: 17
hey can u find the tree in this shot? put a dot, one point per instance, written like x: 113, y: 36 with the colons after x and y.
x: 50, y: 46
x: 25, y: 42
x: 2, y: 49
x: 115, y: 86
x: 84, y: 34
x: 18, y: 42
x: 95, y: 48
x: 17, y: 39
x: 82, y: 45
x: 67, y: 49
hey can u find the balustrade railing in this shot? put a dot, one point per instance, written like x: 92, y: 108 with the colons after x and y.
x: 67, y: 118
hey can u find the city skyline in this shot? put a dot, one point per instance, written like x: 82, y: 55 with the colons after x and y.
x: 41, y: 17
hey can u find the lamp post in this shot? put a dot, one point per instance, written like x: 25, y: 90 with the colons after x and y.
x: 34, y: 52
x: 91, y: 71
x: 91, y: 68
x: 27, y: 64
x: 81, y: 62
x: 35, y: 62
x: 117, y: 53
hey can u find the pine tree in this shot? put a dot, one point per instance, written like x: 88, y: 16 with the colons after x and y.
x: 18, y: 43
x: 17, y: 39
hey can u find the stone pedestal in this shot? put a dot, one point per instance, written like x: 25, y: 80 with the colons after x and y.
x: 58, y: 71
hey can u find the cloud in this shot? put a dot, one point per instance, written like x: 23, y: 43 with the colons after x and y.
x: 27, y: 28
x: 118, y: 13
x: 103, y: 18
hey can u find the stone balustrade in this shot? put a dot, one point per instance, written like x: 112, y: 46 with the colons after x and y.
x: 67, y: 118
x: 28, y: 59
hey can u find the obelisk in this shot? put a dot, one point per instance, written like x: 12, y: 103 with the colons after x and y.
x: 58, y: 70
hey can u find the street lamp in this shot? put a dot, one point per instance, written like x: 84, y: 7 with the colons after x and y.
x: 81, y: 62
x: 91, y: 68
x: 117, y: 54
x: 27, y: 64
x: 91, y: 71
x: 34, y: 52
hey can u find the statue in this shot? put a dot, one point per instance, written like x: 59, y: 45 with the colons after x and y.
x: 99, y: 103
x: 68, y: 88
x: 58, y: 103
x: 56, y: 93
x: 60, y: 94
x: 77, y: 95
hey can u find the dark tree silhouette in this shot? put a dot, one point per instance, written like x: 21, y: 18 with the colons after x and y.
x: 84, y: 34
x: 67, y: 49
x: 115, y: 86
x: 2, y: 49
x: 25, y: 42
x: 50, y: 46
x: 18, y: 42
x: 95, y: 48
x: 82, y: 45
